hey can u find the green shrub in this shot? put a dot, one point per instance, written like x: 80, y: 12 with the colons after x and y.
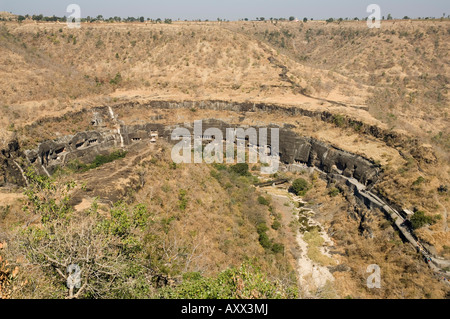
x: 77, y: 166
x: 240, y: 169
x: 104, y: 159
x: 418, y: 181
x: 244, y: 282
x: 219, y: 167
x: 263, y: 201
x: 182, y: 199
x: 277, y: 248
x: 116, y: 80
x: 262, y: 228
x: 338, y: 120
x: 299, y: 187
x: 263, y: 238
x: 419, y: 219
x: 276, y: 225
x: 333, y: 192
x: 173, y: 165
x: 264, y: 241
x: 192, y: 276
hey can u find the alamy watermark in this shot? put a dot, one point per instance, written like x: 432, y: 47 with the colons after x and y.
x: 74, y: 19
x: 374, y: 280
x: 213, y: 152
x: 74, y: 278
x: 374, y: 19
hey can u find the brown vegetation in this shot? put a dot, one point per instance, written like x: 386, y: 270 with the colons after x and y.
x: 394, y: 79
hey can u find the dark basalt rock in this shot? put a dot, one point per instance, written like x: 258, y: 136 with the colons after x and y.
x: 84, y: 146
x: 327, y: 158
x: 9, y: 171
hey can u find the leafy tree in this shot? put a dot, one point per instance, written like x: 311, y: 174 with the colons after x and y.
x: 264, y: 240
x: 299, y: 187
x: 107, y: 250
x: 45, y: 198
x: 107, y: 253
x: 37, y: 17
x: 263, y: 201
x: 241, y: 169
x: 305, y: 19
x: 419, y: 219
x: 277, y: 248
x: 333, y: 192
x: 418, y: 181
x: 276, y: 225
x: 389, y: 17
x: 291, y: 18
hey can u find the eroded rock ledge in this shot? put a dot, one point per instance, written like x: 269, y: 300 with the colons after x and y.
x: 84, y: 146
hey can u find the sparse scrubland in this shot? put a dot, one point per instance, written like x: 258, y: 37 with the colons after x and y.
x: 141, y: 226
x: 185, y: 221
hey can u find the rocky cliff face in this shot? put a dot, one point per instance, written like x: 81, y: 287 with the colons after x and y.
x: 327, y: 158
x: 10, y: 172
x: 84, y: 146
x: 394, y: 139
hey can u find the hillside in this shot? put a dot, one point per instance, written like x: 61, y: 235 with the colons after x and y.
x: 381, y: 94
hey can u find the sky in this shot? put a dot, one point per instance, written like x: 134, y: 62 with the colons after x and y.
x: 230, y: 9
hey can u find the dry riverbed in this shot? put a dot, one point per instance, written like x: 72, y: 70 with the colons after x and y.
x: 310, y: 241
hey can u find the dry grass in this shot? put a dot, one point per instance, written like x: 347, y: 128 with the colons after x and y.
x: 315, y: 241
x: 399, y: 74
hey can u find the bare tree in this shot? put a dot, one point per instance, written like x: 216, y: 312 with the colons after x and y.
x: 87, y: 259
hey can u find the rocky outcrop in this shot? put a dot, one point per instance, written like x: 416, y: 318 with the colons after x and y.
x: 10, y: 171
x: 84, y: 146
x: 361, y: 197
x: 394, y: 139
x: 327, y: 158
x: 304, y: 150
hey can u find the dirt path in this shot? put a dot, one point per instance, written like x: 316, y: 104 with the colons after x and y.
x: 311, y: 275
